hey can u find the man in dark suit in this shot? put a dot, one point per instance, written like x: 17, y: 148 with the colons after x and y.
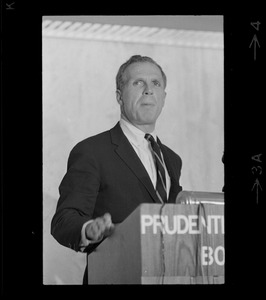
x: 109, y: 175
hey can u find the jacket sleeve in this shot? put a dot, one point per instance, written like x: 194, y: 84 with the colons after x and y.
x: 78, y: 192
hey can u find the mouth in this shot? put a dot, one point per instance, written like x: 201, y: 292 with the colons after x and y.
x: 147, y: 104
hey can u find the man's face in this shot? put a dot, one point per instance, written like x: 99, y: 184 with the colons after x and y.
x: 143, y: 94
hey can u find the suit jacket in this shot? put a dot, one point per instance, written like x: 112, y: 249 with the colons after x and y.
x: 104, y: 174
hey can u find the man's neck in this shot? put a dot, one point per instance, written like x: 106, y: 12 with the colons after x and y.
x: 146, y: 128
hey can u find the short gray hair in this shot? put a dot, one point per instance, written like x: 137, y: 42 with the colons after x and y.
x: 135, y: 59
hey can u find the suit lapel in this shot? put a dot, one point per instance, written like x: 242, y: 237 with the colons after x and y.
x: 131, y: 159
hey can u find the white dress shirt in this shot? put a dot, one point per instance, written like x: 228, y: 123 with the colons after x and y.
x: 144, y: 151
x: 142, y: 147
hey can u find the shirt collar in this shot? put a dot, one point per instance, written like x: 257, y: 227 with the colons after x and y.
x: 134, y: 134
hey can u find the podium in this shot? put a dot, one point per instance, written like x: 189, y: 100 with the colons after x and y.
x: 163, y: 244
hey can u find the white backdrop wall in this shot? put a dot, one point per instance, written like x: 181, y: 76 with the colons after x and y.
x: 79, y: 101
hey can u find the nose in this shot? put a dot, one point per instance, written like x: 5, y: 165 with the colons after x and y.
x: 148, y: 90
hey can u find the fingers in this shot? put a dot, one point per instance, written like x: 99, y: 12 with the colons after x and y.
x: 96, y: 230
x: 100, y: 228
x: 107, y: 219
x: 109, y: 226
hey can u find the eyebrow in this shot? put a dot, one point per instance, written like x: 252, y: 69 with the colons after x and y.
x: 141, y: 78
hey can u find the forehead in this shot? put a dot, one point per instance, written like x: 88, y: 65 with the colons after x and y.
x: 142, y: 69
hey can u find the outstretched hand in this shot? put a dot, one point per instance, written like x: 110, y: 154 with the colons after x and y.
x: 101, y: 227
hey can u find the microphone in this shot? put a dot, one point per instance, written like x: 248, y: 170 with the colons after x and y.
x: 197, y: 197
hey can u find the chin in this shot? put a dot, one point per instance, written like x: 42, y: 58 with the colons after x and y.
x: 147, y: 123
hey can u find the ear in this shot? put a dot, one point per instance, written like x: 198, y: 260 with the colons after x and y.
x: 119, y: 97
x: 164, y: 97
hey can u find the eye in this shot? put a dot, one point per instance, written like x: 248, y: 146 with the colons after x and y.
x: 156, y: 83
x: 138, y: 82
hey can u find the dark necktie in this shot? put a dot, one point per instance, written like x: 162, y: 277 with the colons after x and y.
x: 161, y: 180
